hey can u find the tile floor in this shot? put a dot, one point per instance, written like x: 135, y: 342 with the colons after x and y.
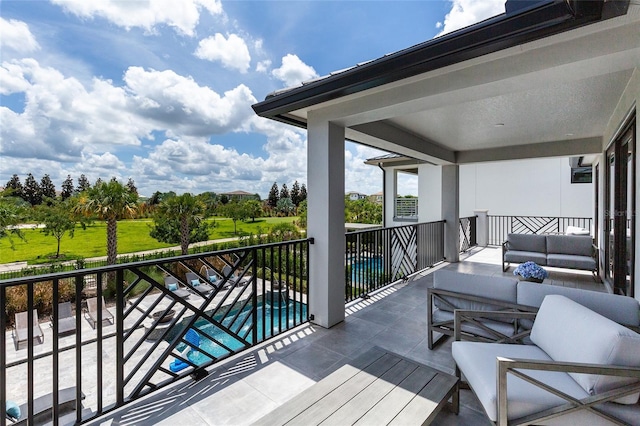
x: 253, y: 383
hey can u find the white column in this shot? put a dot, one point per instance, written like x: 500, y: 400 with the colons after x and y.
x: 482, y: 227
x: 325, y: 220
x: 429, y: 193
x: 450, y: 211
x: 390, y: 193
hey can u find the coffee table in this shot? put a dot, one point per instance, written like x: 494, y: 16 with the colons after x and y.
x: 379, y: 387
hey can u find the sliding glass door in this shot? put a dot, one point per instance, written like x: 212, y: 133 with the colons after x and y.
x: 620, y: 211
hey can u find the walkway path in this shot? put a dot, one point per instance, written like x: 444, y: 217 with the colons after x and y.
x: 16, y: 266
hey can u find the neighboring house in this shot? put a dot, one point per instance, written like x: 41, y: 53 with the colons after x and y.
x: 240, y: 195
x: 377, y: 198
x: 355, y: 196
x: 546, y: 79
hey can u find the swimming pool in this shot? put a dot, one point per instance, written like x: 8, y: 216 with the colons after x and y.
x: 366, y: 268
x: 217, y: 342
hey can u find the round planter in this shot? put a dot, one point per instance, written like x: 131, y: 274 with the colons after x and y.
x: 164, y: 316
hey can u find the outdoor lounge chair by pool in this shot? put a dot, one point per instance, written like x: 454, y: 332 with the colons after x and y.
x: 198, y: 285
x: 92, y: 312
x: 66, y: 320
x: 173, y: 286
x: 233, y: 279
x: 21, y: 330
x: 42, y: 407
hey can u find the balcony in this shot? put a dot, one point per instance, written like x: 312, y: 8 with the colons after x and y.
x: 244, y: 385
x: 253, y: 383
x: 405, y: 210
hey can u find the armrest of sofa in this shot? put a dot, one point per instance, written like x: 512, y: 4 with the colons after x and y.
x: 515, y: 366
x: 474, y: 316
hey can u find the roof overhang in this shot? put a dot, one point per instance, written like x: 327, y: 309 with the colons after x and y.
x: 541, y: 82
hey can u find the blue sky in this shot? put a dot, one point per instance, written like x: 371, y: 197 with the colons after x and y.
x: 161, y: 90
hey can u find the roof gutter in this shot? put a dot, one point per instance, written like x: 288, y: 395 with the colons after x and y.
x: 492, y: 35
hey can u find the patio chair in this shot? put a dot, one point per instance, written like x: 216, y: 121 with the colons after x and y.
x: 198, y: 285
x: 232, y: 278
x: 174, y: 287
x: 214, y: 277
x: 21, y: 331
x: 92, y: 312
x: 66, y: 321
x: 582, y: 368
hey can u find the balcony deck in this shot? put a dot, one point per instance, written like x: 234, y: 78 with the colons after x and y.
x: 246, y: 387
x: 253, y: 383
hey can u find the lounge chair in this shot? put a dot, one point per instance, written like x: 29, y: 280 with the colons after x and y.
x: 66, y: 321
x: 43, y: 406
x: 198, y: 285
x: 21, y: 330
x: 214, y: 277
x: 92, y: 312
x: 232, y: 278
x: 173, y: 286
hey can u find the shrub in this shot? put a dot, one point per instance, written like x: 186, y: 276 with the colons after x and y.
x: 42, y: 297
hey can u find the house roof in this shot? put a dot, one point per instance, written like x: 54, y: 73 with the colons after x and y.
x: 237, y: 193
x: 540, y: 20
x: 539, y: 82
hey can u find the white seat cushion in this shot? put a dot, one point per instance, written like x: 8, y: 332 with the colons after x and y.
x: 477, y: 361
x: 567, y: 331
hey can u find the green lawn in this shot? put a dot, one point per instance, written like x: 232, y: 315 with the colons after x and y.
x: 133, y: 236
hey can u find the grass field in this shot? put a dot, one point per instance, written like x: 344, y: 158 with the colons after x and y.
x: 133, y: 236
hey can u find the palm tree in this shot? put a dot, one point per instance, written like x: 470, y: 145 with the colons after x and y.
x: 109, y: 201
x: 187, y: 210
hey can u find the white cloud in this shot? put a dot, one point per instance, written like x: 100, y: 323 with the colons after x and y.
x: 182, y: 15
x: 263, y: 66
x: 232, y: 52
x: 15, y: 35
x: 62, y: 118
x: 183, y: 107
x: 293, y: 71
x: 467, y: 12
x: 361, y: 177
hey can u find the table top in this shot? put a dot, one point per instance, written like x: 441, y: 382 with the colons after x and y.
x: 378, y: 387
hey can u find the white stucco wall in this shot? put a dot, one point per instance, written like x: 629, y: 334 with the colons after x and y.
x: 536, y: 187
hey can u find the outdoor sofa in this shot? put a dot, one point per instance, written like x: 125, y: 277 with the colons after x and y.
x: 454, y: 290
x: 560, y: 251
x: 581, y: 368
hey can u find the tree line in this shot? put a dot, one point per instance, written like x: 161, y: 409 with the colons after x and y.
x: 177, y: 219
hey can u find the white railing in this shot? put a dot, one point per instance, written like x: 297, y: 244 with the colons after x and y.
x: 406, y: 208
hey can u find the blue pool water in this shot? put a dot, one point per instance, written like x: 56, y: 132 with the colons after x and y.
x: 365, y: 267
x: 270, y: 322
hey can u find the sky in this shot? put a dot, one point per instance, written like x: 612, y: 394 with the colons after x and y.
x: 160, y: 91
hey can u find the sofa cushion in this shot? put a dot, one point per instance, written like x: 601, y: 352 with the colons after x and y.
x: 498, y: 288
x: 570, y: 244
x: 621, y: 309
x: 517, y: 256
x: 567, y: 331
x: 571, y: 261
x: 477, y: 361
x: 527, y: 242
